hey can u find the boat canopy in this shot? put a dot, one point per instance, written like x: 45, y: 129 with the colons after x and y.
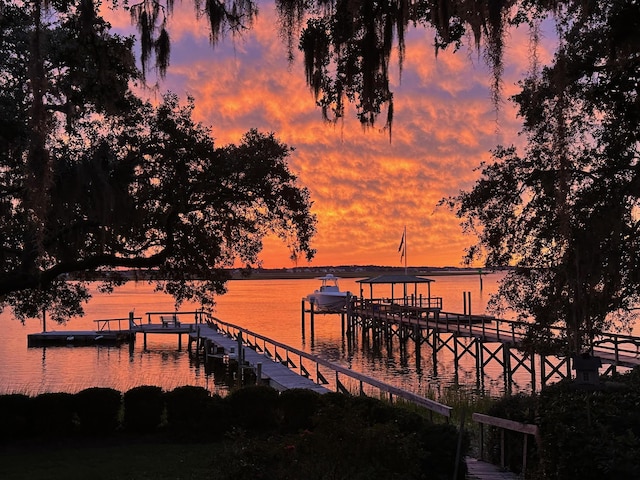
x: 392, y: 280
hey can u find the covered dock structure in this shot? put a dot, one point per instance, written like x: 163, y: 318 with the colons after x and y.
x: 408, y: 299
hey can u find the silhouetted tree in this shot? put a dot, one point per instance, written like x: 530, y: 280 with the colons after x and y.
x: 347, y: 44
x: 566, y: 210
x: 92, y: 179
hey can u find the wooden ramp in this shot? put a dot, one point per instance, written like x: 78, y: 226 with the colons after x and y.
x: 479, y: 470
x: 278, y: 376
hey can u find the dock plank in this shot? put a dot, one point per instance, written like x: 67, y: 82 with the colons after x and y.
x: 479, y: 470
x: 278, y: 375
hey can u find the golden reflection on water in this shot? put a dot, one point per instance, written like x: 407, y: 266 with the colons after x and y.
x: 269, y: 307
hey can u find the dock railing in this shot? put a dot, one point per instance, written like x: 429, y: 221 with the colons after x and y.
x: 179, y: 316
x: 503, y: 424
x: 621, y: 348
x: 124, y: 324
x: 133, y: 323
x: 433, y: 303
x: 616, y: 349
x: 286, y: 355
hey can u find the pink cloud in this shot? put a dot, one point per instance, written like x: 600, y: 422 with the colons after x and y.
x: 365, y: 188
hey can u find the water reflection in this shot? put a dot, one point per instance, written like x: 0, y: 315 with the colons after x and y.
x: 271, y: 308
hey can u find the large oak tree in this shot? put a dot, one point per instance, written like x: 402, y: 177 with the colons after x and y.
x: 94, y: 180
x: 566, y: 210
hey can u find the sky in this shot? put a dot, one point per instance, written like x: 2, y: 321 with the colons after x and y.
x: 365, y: 187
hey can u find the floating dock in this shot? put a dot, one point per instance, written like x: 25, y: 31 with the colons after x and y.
x: 70, y: 337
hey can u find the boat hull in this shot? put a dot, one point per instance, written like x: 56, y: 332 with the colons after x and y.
x: 328, y: 302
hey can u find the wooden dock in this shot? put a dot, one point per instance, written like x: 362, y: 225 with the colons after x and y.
x: 483, y: 339
x: 218, y: 345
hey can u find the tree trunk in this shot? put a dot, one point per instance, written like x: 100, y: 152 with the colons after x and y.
x: 38, y: 168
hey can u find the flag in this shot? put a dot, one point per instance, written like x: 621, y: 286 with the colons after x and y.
x: 403, y: 246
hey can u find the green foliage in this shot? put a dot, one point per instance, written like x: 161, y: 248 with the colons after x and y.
x: 586, y: 431
x: 564, y: 209
x: 190, y: 413
x: 255, y: 407
x: 298, y: 407
x: 54, y: 413
x: 143, y: 408
x: 15, y: 410
x: 591, y: 433
x: 98, y: 410
x: 259, y: 433
x: 348, y: 438
x: 371, y: 410
x: 94, y: 179
x: 439, y: 442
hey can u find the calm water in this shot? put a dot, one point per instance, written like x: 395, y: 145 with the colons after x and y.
x: 268, y: 307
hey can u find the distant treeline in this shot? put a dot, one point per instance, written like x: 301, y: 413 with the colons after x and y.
x: 347, y: 271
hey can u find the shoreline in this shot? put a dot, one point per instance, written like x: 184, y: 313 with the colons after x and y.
x: 342, y: 272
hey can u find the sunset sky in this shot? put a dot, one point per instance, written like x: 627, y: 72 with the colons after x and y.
x: 365, y: 188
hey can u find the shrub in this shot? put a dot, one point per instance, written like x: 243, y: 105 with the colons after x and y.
x: 298, y: 408
x: 98, y: 409
x: 53, y: 413
x: 217, y: 418
x: 439, y: 442
x: 143, y: 408
x: 188, y: 412
x: 591, y: 433
x: 367, y: 438
x: 255, y: 407
x: 372, y: 410
x: 14, y: 416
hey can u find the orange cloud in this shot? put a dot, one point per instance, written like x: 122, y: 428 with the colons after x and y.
x: 365, y: 188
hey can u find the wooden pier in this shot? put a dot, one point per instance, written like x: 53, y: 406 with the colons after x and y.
x: 320, y: 371
x: 485, y: 340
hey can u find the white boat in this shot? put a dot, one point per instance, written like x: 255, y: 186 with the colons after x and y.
x: 328, y: 298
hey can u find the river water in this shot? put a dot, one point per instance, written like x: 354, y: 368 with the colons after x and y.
x: 268, y: 307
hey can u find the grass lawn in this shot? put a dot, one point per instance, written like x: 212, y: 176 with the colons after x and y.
x: 153, y: 461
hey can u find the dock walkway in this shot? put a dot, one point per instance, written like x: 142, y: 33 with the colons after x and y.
x: 479, y: 470
x: 279, y: 376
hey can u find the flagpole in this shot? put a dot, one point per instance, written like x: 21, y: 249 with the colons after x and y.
x: 402, y: 249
